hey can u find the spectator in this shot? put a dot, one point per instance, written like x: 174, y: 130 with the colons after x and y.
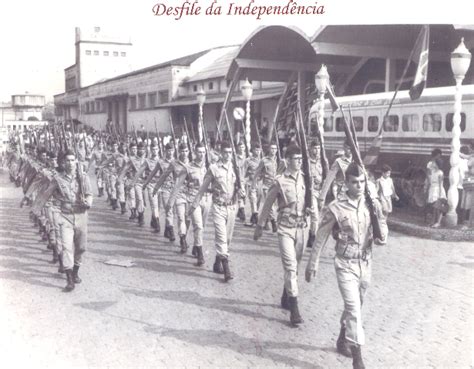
x: 467, y: 199
x: 463, y: 170
x: 436, y: 153
x: 436, y: 192
x: 386, y: 190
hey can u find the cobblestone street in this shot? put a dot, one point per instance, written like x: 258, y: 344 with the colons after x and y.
x: 165, y: 312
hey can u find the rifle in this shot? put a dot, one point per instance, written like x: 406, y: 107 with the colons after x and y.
x: 188, y: 140
x: 299, y: 125
x: 324, y: 158
x: 135, y: 134
x: 238, y: 178
x: 204, y: 137
x: 158, y: 139
x: 66, y: 146
x: 218, y: 131
x: 258, y: 135
x: 352, y: 140
x: 80, y: 178
x: 174, y: 138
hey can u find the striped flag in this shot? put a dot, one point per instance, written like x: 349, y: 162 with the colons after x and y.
x: 370, y: 158
x: 420, y: 57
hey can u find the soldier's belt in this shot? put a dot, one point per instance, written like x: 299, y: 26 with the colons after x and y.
x: 221, y: 202
x: 352, y: 251
x: 293, y: 221
x: 75, y: 209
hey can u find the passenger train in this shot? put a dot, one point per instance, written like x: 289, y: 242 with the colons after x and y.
x: 410, y: 132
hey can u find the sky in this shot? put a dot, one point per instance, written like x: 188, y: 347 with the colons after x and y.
x: 37, y: 37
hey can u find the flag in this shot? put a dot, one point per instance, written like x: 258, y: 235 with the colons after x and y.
x: 420, y: 57
x: 370, y: 158
x: 332, y: 98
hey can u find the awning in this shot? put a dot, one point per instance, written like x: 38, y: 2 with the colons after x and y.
x: 219, y: 98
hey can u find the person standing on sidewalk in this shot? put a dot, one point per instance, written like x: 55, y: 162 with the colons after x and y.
x: 75, y: 198
x: 353, y: 259
x: 289, y: 191
x: 222, y: 177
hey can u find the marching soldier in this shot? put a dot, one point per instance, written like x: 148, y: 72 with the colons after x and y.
x: 150, y: 163
x: 241, y: 159
x: 336, y: 174
x: 75, y: 198
x: 316, y: 171
x: 98, y: 157
x: 289, y: 191
x: 266, y: 171
x: 222, y: 177
x: 353, y: 259
x: 250, y: 167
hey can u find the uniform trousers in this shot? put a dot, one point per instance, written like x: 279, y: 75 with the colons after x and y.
x: 73, y: 233
x: 139, y: 202
x: 181, y: 208
x: 112, y: 191
x: 169, y: 216
x: 153, y: 201
x: 224, y: 220
x: 353, y: 278
x: 100, y: 178
x: 291, y: 242
x: 253, y: 198
x: 273, y: 211
x: 315, y: 215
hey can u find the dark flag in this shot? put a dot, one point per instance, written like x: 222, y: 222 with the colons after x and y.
x: 332, y: 98
x: 420, y: 56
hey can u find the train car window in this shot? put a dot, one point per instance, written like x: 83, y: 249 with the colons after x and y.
x: 358, y: 123
x: 313, y: 124
x: 449, y: 122
x: 410, y: 122
x: 339, y: 124
x: 328, y: 124
x: 432, y: 122
x: 390, y: 124
x: 373, y: 124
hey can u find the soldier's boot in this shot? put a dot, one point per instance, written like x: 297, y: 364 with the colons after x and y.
x: 171, y: 234
x: 157, y: 226
x: 101, y: 191
x: 200, y: 256
x: 267, y: 226
x: 133, y: 214
x: 70, y: 281
x: 225, y: 265
x: 183, y: 244
x: 254, y: 219
x: 123, y: 209
x: 44, y: 236
x: 50, y: 242
x: 295, y: 317
x: 141, y: 218
x: 75, y: 274
x: 342, y: 345
x: 217, y: 267
x: 194, y: 251
x: 241, y: 214
x: 55, y: 256
x: 357, y: 362
x: 274, y: 226
x: 114, y: 204
x: 61, y: 265
x: 153, y: 222
x: 284, y: 300
x: 311, y: 239
x: 166, y: 233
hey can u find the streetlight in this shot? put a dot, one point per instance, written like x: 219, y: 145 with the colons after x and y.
x: 201, y: 99
x: 321, y: 80
x: 247, y: 91
x: 460, y: 61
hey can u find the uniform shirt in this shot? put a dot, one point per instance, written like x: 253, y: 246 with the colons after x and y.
x: 289, y: 190
x: 174, y: 170
x: 316, y: 171
x: 223, y: 179
x: 98, y: 156
x: 266, y: 171
x: 251, y: 165
x: 194, y: 179
x: 355, y: 236
x: 336, y: 174
x: 67, y: 193
x: 168, y: 184
x: 150, y: 164
x: 214, y: 156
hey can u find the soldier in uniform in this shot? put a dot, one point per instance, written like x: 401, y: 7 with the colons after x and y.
x: 150, y: 163
x: 250, y: 167
x: 75, y: 198
x: 266, y: 171
x: 222, y: 177
x: 289, y: 191
x: 241, y: 159
x: 98, y: 156
x: 353, y: 259
x: 316, y: 171
x: 178, y: 200
x: 336, y: 175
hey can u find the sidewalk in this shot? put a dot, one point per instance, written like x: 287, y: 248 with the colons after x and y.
x: 410, y: 222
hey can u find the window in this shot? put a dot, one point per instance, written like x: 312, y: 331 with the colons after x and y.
x: 163, y: 96
x: 432, y: 122
x: 390, y: 124
x: 211, y: 85
x: 358, y: 123
x: 373, y: 124
x: 410, y: 123
x: 152, y: 99
x: 339, y: 124
x: 328, y: 124
x: 141, y: 101
x: 96, y: 52
x: 133, y: 102
x: 123, y: 53
x: 97, y: 106
x: 88, y: 52
x: 449, y: 122
x: 195, y: 88
x: 115, y: 53
x: 106, y: 53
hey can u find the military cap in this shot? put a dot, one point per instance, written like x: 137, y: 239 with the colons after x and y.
x: 292, y: 150
x: 354, y: 170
